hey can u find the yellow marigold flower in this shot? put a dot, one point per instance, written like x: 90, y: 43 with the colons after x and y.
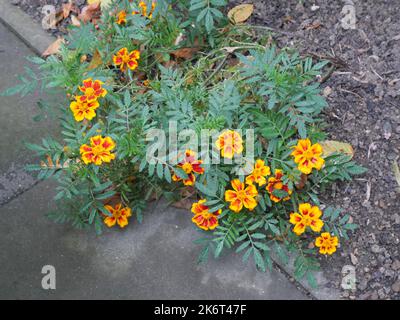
x: 120, y: 215
x: 229, y: 142
x: 308, y: 156
x: 241, y: 196
x: 308, y: 216
x: 326, y: 243
x: 99, y: 150
x: 92, y: 90
x: 121, y: 18
x: 259, y: 173
x: 124, y: 59
x: 190, y: 165
x: 82, y: 109
x: 275, y: 183
x: 203, y: 218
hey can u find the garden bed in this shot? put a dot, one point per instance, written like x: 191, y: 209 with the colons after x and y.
x: 363, y: 110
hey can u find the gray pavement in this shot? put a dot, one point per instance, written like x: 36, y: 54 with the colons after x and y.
x: 16, y: 119
x: 155, y: 260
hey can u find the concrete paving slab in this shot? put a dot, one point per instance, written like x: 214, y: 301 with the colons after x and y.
x: 16, y: 118
x: 30, y: 32
x: 154, y: 260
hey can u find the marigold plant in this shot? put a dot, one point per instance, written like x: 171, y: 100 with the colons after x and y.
x: 135, y: 85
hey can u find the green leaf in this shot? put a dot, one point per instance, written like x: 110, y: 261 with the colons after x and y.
x: 204, y: 190
x: 219, y: 248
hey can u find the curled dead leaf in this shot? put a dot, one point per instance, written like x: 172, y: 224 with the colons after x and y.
x: 96, y: 61
x: 54, y: 48
x: 303, y: 180
x: 69, y: 7
x: 75, y: 21
x: 331, y: 146
x: 185, y: 53
x: 90, y: 12
x: 240, y: 13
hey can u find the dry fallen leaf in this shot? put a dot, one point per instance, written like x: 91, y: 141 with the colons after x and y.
x: 89, y: 12
x: 314, y: 25
x: 104, y: 4
x: 69, y: 7
x: 185, y: 53
x: 75, y: 21
x: 96, y: 60
x: 331, y: 146
x: 240, y: 13
x: 53, y: 48
x: 396, y: 171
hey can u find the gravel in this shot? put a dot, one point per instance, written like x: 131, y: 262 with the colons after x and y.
x: 363, y: 110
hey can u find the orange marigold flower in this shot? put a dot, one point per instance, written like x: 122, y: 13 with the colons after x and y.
x: 260, y: 171
x: 143, y: 7
x: 275, y: 183
x: 241, y: 196
x: 203, y: 218
x: 121, y: 18
x: 326, y: 243
x: 229, y: 142
x: 308, y: 216
x: 190, y: 165
x: 120, y: 215
x: 308, y: 156
x: 82, y: 109
x: 99, y: 150
x: 124, y: 59
x: 92, y: 90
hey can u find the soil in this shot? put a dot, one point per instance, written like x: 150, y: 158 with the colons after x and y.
x: 364, y: 110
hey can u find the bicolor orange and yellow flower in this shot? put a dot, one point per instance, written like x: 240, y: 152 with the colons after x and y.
x: 119, y: 215
x: 326, y: 243
x: 99, y: 150
x: 230, y: 143
x: 308, y: 216
x: 82, y: 109
x: 121, y: 17
x: 143, y: 7
x: 276, y: 183
x: 189, y: 165
x: 241, y: 196
x: 92, y: 90
x: 308, y: 156
x: 203, y: 218
x: 260, y: 171
x: 124, y: 59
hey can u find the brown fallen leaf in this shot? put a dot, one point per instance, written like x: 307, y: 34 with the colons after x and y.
x: 96, y: 61
x: 240, y: 13
x: 89, y: 12
x: 312, y: 26
x: 185, y: 53
x: 69, y: 7
x: 331, y: 146
x: 303, y: 180
x: 53, y: 48
x: 75, y: 21
x: 184, y: 204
